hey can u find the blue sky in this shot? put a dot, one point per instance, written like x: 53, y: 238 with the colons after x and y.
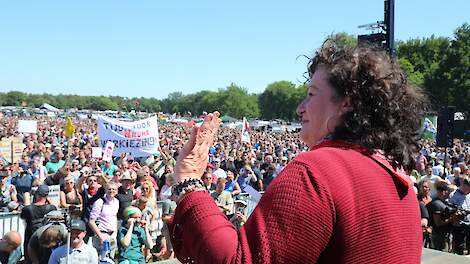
x: 151, y: 48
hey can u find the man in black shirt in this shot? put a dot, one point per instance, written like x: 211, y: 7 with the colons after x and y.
x: 34, y: 214
x: 441, y: 220
x: 125, y: 194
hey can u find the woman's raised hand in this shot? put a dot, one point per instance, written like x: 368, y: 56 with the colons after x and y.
x: 193, y: 158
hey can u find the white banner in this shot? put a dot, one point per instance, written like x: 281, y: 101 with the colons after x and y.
x: 140, y: 138
x: 27, y: 126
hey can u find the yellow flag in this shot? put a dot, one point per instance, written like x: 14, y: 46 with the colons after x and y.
x: 69, y: 128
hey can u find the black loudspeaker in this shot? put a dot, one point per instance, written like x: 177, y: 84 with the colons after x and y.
x: 445, y: 127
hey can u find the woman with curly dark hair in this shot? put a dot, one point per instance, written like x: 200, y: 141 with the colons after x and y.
x: 343, y: 201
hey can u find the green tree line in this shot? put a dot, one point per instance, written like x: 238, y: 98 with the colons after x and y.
x: 440, y: 65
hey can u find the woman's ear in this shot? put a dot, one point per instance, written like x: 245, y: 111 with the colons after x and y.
x: 346, y: 106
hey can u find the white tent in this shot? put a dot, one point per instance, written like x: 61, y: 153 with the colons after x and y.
x: 49, y: 107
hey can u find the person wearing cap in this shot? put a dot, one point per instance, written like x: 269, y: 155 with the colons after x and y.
x: 240, y: 216
x: 23, y: 182
x: 79, y: 251
x: 126, y: 193
x: 33, y: 214
x: 132, y: 234
x: 10, y: 248
x: 441, y: 222
x: 217, y: 171
x: 461, y: 199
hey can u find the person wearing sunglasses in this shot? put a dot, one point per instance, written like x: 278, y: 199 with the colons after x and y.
x: 90, y: 191
x: 71, y: 199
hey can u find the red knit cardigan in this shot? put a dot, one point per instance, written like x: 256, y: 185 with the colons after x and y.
x: 334, y: 204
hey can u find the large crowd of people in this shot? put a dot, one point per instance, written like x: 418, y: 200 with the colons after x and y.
x: 114, y: 197
x: 112, y: 205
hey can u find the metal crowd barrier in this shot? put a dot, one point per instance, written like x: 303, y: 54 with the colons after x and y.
x: 251, y: 203
x: 11, y: 221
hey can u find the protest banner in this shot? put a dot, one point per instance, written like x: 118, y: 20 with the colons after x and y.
x: 54, y: 195
x: 140, y: 138
x: 27, y: 126
x: 11, y: 148
x: 108, y: 151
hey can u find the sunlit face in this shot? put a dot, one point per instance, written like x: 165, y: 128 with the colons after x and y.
x: 426, y: 188
x: 91, y: 181
x: 146, y: 189
x: 230, y: 176
x: 137, y: 217
x: 69, y: 184
x: 207, y: 178
x: 127, y: 184
x: 317, y: 108
x: 111, y: 191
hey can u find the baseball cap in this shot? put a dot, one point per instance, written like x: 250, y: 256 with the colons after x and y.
x: 126, y: 176
x: 43, y: 190
x: 77, y: 224
x: 241, y: 202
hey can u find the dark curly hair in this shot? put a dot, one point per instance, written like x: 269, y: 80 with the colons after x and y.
x: 387, y: 110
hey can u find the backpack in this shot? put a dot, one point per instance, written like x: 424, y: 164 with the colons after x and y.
x: 37, y: 223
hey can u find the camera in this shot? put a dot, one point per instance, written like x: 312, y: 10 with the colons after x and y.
x: 452, y: 209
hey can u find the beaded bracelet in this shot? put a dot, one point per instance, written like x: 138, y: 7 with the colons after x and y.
x: 186, y: 186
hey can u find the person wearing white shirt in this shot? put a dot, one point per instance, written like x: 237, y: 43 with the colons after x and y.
x: 217, y: 171
x: 79, y: 251
x: 452, y: 178
x: 438, y: 169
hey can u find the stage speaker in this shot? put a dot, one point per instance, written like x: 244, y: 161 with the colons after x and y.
x: 445, y: 127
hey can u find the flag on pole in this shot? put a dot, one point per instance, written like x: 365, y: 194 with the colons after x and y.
x: 69, y: 128
x: 245, y: 131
